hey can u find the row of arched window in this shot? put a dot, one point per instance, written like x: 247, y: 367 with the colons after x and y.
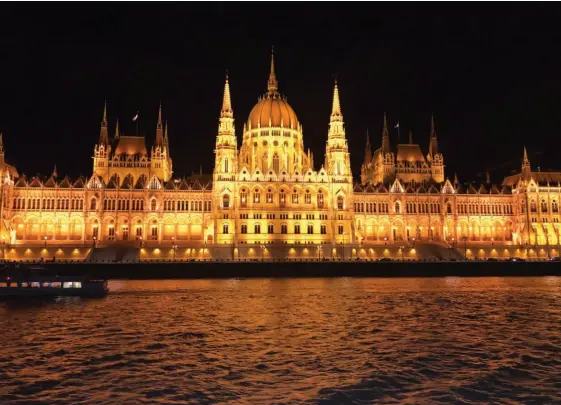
x: 372, y: 207
x: 283, y: 229
x: 485, y: 209
x: 123, y: 204
x: 544, y: 206
x: 184, y: 205
x: 21, y: 203
x: 296, y: 197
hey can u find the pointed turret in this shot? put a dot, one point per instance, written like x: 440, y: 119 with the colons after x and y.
x: 226, y: 111
x: 273, y: 84
x: 166, y: 139
x: 159, y: 128
x: 487, y: 177
x: 367, y: 149
x: 385, y: 136
x: 433, y: 143
x: 1, y: 142
x: 410, y: 137
x: 336, y: 114
x: 117, y: 129
x: 526, y: 167
x: 55, y: 174
x: 456, y: 181
x: 103, y: 135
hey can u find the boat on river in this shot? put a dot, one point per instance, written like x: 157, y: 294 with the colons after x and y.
x: 32, y: 281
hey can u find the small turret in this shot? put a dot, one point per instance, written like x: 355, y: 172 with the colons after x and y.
x: 117, y: 129
x: 385, y: 137
x: 272, y: 84
x: 526, y: 167
x: 159, y: 128
x: 433, y: 142
x: 103, y: 135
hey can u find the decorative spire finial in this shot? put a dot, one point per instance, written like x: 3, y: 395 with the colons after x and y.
x: 226, y: 101
x: 410, y: 137
x: 336, y: 114
x: 160, y: 115
x: 456, y: 181
x: 55, y: 174
x: 432, y: 128
x: 104, y: 120
x: 273, y: 84
x: 117, y: 129
x: 385, y: 129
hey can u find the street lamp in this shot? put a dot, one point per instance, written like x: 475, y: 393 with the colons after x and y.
x: 94, y: 239
x: 402, y: 257
x: 319, y: 252
x: 45, y: 242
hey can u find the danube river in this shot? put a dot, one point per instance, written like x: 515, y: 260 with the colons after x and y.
x: 289, y: 341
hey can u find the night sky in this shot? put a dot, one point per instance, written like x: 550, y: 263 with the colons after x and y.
x: 490, y: 73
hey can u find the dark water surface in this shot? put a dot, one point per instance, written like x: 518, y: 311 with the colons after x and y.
x: 289, y: 341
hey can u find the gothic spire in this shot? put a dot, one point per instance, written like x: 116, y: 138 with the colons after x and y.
x: 159, y: 128
x: 117, y: 129
x: 368, y: 149
x: 55, y: 174
x: 166, y: 139
x: 103, y: 136
x: 456, y: 181
x: 385, y: 136
x: 525, y: 160
x: 433, y: 142
x: 1, y: 142
x: 159, y: 125
x: 226, y: 111
x: 336, y: 114
x: 273, y: 84
x: 410, y: 137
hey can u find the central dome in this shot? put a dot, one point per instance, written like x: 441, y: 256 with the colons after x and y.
x: 272, y: 111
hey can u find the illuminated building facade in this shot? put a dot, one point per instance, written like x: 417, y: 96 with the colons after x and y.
x: 268, y: 198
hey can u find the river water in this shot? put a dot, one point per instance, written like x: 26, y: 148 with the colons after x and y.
x: 288, y: 341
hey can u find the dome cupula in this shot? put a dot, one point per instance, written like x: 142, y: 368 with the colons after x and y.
x: 272, y: 110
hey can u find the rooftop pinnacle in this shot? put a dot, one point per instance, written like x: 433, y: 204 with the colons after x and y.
x: 226, y: 101
x: 273, y: 84
x: 336, y: 114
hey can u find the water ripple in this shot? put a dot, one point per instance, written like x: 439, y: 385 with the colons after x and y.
x: 289, y: 341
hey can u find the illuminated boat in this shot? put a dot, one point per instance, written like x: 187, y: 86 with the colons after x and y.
x: 57, y: 286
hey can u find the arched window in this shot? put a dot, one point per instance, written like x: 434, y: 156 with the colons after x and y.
x: 308, y: 197
x: 282, y: 197
x: 554, y: 206
x: 269, y: 196
x: 257, y: 228
x: 533, y: 207
x: 226, y: 201
x: 340, y: 202
x: 544, y: 206
x: 226, y: 165
x: 225, y: 228
x: 320, y: 198
x: 449, y: 208
x: 284, y: 229
x: 294, y: 196
x: 310, y: 229
x: 297, y: 229
x: 256, y: 196
x: 93, y: 204
x: 397, y: 207
x: 270, y: 228
x: 276, y: 164
x: 153, y: 205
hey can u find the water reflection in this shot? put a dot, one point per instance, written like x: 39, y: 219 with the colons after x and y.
x: 338, y: 340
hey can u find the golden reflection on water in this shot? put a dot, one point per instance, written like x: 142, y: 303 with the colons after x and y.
x: 331, y: 340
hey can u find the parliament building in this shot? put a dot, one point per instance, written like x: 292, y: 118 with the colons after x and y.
x: 268, y: 198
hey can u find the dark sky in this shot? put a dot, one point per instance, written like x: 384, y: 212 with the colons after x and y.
x: 490, y: 73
